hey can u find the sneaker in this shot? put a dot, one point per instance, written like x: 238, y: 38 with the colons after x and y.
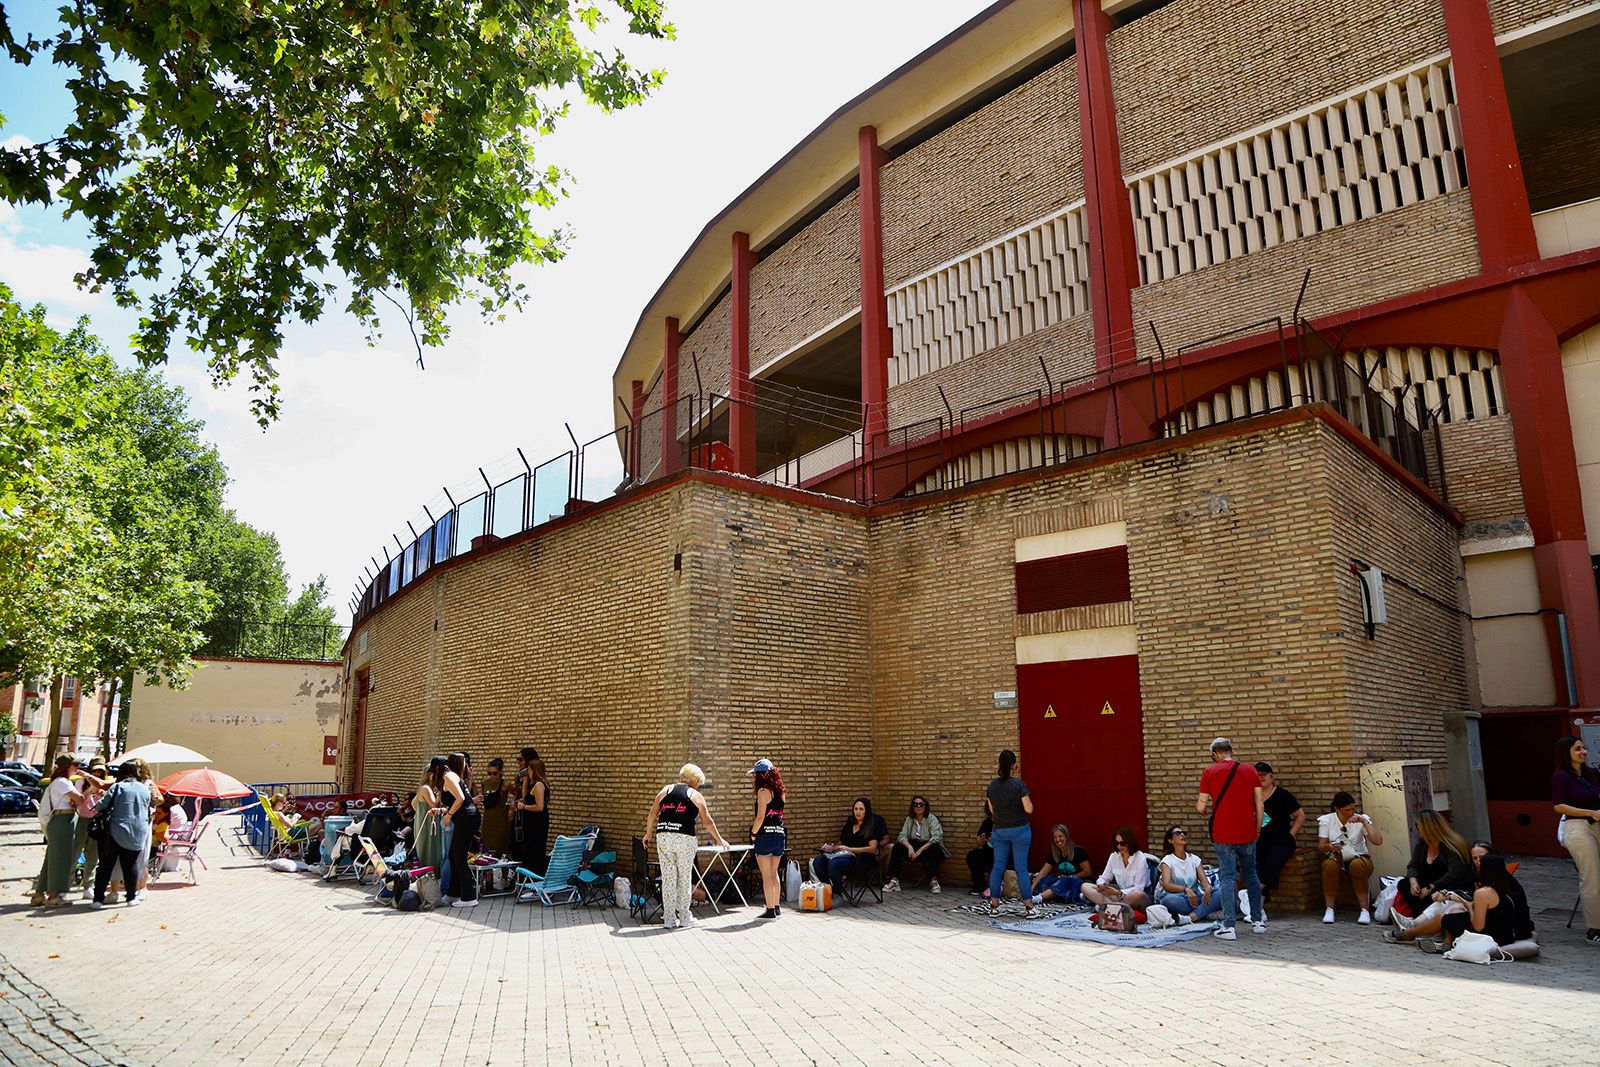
x: 96, y: 906
x: 688, y: 922
x: 463, y: 903
x: 1185, y: 920
x: 88, y: 894
x: 1593, y: 937
x: 1036, y: 899
x: 1260, y: 927
x: 113, y: 898
x: 1432, y: 947
x: 1393, y: 937
x: 1224, y: 933
x: 36, y: 900
x: 669, y: 926
x: 770, y: 913
x: 446, y: 898
x: 892, y: 886
x: 1027, y: 909
x: 1404, y: 922
x: 935, y: 887
x: 134, y: 902
x: 976, y: 892
x: 1327, y: 916
x: 1365, y: 918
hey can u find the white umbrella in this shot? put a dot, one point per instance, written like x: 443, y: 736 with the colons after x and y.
x: 162, y: 752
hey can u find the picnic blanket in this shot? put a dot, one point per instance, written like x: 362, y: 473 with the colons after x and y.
x: 1013, y: 909
x: 1076, y: 927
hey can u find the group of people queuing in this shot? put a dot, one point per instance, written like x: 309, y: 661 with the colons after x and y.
x: 450, y: 815
x: 100, y: 825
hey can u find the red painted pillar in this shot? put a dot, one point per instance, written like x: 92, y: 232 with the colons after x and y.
x: 1530, y: 365
x: 1494, y: 167
x: 636, y: 420
x: 741, y: 409
x: 1114, y: 263
x: 876, y: 341
x: 670, y: 454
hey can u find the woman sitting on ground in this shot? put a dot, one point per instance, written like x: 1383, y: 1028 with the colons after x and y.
x: 1499, y: 907
x: 1126, y: 879
x: 1185, y: 889
x: 1062, y: 876
x: 922, y: 841
x: 856, y: 852
x: 1438, y: 879
x: 1343, y: 839
x: 980, y: 860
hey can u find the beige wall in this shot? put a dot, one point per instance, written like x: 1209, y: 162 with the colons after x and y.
x: 1513, y: 653
x: 258, y: 721
x: 1580, y: 358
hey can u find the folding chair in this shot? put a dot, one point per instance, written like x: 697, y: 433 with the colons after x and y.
x: 371, y: 862
x: 560, y: 876
x: 181, y: 848
x: 865, y: 877
x: 595, y: 877
x: 644, y: 889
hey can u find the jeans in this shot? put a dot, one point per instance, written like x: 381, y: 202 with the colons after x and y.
x: 116, y: 856
x: 1010, y: 845
x: 444, y: 850
x: 1231, y: 858
x: 1069, y: 887
x: 835, y: 867
x: 1178, y: 904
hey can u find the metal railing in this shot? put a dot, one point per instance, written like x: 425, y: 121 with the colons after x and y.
x: 252, y: 639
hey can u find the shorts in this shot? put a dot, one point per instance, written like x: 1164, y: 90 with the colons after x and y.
x: 771, y: 844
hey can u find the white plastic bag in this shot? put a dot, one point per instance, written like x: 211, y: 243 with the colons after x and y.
x: 1383, y: 910
x: 622, y: 890
x: 284, y: 864
x: 1158, y: 916
x: 791, y: 882
x: 1244, y: 909
x: 1473, y: 947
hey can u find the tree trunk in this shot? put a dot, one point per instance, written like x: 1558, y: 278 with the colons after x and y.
x: 53, y: 739
x: 108, y: 726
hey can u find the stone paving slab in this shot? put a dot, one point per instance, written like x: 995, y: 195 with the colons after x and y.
x: 255, y: 967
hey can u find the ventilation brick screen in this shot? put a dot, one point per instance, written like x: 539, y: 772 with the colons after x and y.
x: 1083, y: 578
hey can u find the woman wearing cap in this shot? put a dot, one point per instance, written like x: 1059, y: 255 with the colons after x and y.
x: 1284, y: 817
x: 670, y: 823
x: 768, y: 833
x: 58, y: 818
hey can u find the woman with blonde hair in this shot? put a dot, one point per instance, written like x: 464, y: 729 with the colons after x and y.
x: 670, y: 822
x: 1438, y: 879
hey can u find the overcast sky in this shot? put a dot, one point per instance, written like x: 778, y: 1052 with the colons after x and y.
x: 367, y: 438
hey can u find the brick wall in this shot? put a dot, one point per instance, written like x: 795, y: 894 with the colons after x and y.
x: 1410, y: 248
x: 1564, y: 167
x: 711, y: 344
x: 862, y: 653
x: 1068, y: 350
x: 1177, y: 73
x: 1010, y: 163
x: 1509, y: 15
x: 1480, y: 468
x: 811, y: 281
x: 777, y: 661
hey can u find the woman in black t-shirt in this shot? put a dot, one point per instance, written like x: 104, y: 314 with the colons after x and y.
x: 1284, y: 817
x: 1499, y: 906
x: 1061, y: 878
x: 857, y: 847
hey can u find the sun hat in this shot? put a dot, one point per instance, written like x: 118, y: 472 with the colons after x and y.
x: 762, y: 767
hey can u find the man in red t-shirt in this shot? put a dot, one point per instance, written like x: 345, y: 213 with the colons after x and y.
x: 1234, y: 790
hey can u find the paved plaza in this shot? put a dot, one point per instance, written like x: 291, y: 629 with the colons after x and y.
x: 257, y: 967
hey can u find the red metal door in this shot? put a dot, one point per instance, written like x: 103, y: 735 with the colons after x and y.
x: 1083, y: 750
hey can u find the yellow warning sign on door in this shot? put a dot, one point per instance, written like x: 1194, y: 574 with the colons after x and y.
x: 1107, y: 709
x: 1049, y: 711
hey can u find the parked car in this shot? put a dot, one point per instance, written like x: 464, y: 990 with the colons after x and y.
x: 21, y: 772
x: 18, y: 765
x: 15, y: 801
x: 15, y: 780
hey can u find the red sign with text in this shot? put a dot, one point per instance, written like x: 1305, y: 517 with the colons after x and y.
x: 330, y: 749
x: 324, y: 805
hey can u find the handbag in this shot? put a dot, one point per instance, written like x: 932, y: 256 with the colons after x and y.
x: 100, y: 824
x: 1116, y: 918
x: 1473, y: 947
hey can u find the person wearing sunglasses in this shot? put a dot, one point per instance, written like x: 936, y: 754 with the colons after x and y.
x: 1185, y: 889
x: 921, y: 840
x: 1063, y: 874
x: 1126, y: 879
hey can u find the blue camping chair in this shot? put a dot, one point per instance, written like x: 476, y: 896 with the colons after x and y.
x: 560, y: 876
x: 595, y: 877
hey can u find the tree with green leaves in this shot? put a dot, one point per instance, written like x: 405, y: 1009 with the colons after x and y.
x: 238, y: 161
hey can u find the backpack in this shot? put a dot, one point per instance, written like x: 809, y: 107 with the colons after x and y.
x: 408, y: 901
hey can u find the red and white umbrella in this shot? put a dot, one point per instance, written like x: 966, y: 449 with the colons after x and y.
x: 204, y: 782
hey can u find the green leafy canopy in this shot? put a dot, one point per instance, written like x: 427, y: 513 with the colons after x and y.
x: 237, y: 160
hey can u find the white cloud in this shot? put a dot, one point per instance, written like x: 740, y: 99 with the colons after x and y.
x: 44, y: 272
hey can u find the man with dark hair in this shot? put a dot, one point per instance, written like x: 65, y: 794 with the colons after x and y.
x: 1233, y: 790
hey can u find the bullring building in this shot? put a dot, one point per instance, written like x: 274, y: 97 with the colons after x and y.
x: 1109, y: 377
